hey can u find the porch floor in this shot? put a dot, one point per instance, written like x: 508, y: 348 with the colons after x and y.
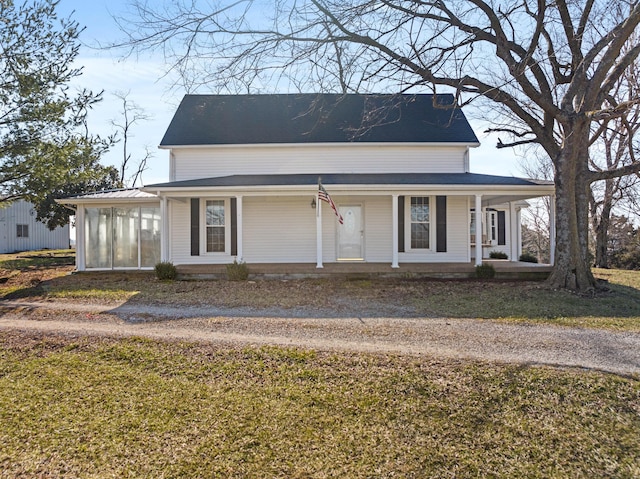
x: 504, y: 269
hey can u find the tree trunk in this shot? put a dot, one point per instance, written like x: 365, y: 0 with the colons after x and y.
x: 571, y: 269
x: 602, y: 227
x: 602, y: 241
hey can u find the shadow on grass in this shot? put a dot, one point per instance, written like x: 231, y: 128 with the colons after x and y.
x: 617, y: 306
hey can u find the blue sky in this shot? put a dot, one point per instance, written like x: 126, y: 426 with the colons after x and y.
x: 143, y: 79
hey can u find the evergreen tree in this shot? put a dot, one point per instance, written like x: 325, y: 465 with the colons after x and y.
x: 44, y: 142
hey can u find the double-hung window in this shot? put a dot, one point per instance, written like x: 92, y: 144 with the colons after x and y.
x: 215, y: 226
x: 22, y: 231
x: 420, y: 222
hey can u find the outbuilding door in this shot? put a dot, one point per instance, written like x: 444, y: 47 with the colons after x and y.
x: 351, y: 234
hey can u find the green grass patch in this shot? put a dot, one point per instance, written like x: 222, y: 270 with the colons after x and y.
x: 99, y: 294
x: 137, y: 408
x: 37, y: 259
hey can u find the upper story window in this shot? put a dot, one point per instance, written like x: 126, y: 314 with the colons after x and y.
x: 215, y: 226
x: 22, y: 231
x: 420, y: 222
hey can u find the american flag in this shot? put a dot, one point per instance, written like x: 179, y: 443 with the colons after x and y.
x: 324, y: 196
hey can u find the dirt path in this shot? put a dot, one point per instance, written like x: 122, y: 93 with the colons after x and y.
x: 616, y: 352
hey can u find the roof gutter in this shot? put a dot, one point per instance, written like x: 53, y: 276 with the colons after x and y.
x: 332, y: 144
x: 338, y: 189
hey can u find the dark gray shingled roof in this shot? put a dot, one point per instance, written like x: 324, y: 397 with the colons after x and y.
x: 465, y: 179
x: 316, y: 118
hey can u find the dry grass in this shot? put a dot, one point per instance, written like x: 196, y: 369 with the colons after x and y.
x: 512, y: 301
x: 97, y: 407
x: 137, y: 408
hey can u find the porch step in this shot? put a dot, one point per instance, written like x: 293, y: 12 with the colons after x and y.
x: 504, y: 270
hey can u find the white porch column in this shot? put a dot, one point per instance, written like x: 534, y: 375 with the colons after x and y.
x: 239, y: 227
x: 478, y: 231
x: 164, y: 237
x: 552, y: 229
x: 394, y: 233
x: 318, y: 233
x: 519, y: 232
x: 513, y: 236
x: 80, y: 239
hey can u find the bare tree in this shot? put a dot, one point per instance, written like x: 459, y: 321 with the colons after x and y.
x: 615, y: 148
x: 132, y: 114
x: 547, y: 66
x: 536, y: 228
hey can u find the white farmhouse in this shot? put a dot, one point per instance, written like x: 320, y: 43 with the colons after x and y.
x: 248, y: 173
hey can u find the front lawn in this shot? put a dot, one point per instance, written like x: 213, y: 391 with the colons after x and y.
x: 138, y: 408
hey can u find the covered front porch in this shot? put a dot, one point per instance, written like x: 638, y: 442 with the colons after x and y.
x: 395, y: 220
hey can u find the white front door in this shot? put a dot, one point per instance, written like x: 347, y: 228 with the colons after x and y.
x: 350, y: 234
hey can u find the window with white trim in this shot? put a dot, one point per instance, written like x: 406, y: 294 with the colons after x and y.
x: 420, y: 222
x: 491, y: 226
x: 22, y: 231
x: 215, y: 237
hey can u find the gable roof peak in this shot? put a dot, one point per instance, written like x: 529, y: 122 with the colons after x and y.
x: 317, y: 118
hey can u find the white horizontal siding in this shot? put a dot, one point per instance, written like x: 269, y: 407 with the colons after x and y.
x: 180, y: 238
x: 283, y: 230
x: 378, y: 229
x: 40, y: 236
x: 279, y: 230
x: 188, y: 164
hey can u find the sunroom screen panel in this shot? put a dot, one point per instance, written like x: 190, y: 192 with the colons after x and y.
x: 150, y: 231
x: 125, y: 237
x: 98, y: 242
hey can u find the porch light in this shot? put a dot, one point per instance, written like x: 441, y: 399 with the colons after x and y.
x: 313, y: 203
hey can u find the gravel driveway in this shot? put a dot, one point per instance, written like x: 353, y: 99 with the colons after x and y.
x: 615, y: 352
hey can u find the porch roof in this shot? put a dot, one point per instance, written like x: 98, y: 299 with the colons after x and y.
x: 353, y: 179
x: 123, y: 195
x: 495, y: 190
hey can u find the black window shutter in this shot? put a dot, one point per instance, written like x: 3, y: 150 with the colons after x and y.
x: 234, y: 227
x: 441, y: 224
x: 502, y: 237
x: 400, y: 224
x: 195, y: 226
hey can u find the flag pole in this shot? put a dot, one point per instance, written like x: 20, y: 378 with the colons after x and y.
x: 318, y: 227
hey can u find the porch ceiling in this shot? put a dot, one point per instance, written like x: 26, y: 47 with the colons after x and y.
x: 493, y: 200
